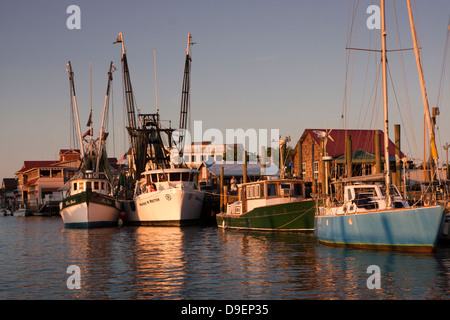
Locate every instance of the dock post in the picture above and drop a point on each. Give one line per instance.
(377, 152)
(244, 167)
(225, 198)
(263, 161)
(221, 189)
(348, 144)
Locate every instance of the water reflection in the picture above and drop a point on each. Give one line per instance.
(203, 263)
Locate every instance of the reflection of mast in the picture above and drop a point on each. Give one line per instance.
(185, 99)
(74, 99)
(430, 125)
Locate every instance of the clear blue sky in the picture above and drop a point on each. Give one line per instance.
(256, 64)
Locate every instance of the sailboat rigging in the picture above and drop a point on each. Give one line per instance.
(375, 217)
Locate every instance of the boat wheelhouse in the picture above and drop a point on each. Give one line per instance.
(275, 204)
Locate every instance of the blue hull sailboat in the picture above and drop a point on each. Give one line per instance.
(372, 216)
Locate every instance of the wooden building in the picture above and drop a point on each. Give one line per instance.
(367, 155)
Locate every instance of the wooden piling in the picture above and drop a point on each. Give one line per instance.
(348, 148)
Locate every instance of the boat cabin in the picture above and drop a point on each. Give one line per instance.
(98, 185)
(365, 197)
(266, 193)
(162, 179)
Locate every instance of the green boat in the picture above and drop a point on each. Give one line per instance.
(281, 205)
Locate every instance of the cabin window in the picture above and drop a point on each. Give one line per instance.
(185, 176)
(271, 189)
(75, 185)
(103, 186)
(162, 177)
(88, 185)
(154, 177)
(257, 191)
(186, 159)
(175, 176)
(81, 186)
(253, 191)
(349, 195)
(96, 185)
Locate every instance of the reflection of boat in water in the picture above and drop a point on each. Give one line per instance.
(89, 202)
(371, 218)
(175, 199)
(276, 204)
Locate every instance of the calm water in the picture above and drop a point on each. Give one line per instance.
(202, 263)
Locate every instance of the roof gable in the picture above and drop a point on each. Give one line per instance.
(361, 140)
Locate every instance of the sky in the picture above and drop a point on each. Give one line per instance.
(256, 64)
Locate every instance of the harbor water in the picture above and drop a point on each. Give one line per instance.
(203, 262)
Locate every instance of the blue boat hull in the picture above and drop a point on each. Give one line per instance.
(413, 229)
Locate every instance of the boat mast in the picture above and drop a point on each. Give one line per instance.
(74, 98)
(185, 98)
(387, 173)
(430, 126)
(102, 128)
(138, 156)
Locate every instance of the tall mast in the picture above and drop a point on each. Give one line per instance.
(385, 105)
(128, 93)
(430, 126)
(102, 128)
(74, 99)
(185, 99)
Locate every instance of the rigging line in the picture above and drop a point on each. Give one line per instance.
(354, 21)
(443, 64)
(405, 84)
(398, 105)
(344, 115)
(365, 82)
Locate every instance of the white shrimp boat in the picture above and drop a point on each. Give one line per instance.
(89, 201)
(174, 199)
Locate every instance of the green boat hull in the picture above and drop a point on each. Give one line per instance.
(295, 216)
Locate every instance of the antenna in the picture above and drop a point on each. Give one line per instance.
(156, 85)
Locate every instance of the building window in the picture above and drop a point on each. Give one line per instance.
(316, 170)
(303, 169)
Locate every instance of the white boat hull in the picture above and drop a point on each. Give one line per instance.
(86, 214)
(169, 207)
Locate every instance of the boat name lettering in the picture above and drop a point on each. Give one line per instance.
(70, 202)
(148, 201)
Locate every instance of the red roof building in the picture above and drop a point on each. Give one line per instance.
(310, 165)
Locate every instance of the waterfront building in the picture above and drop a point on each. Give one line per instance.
(315, 144)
